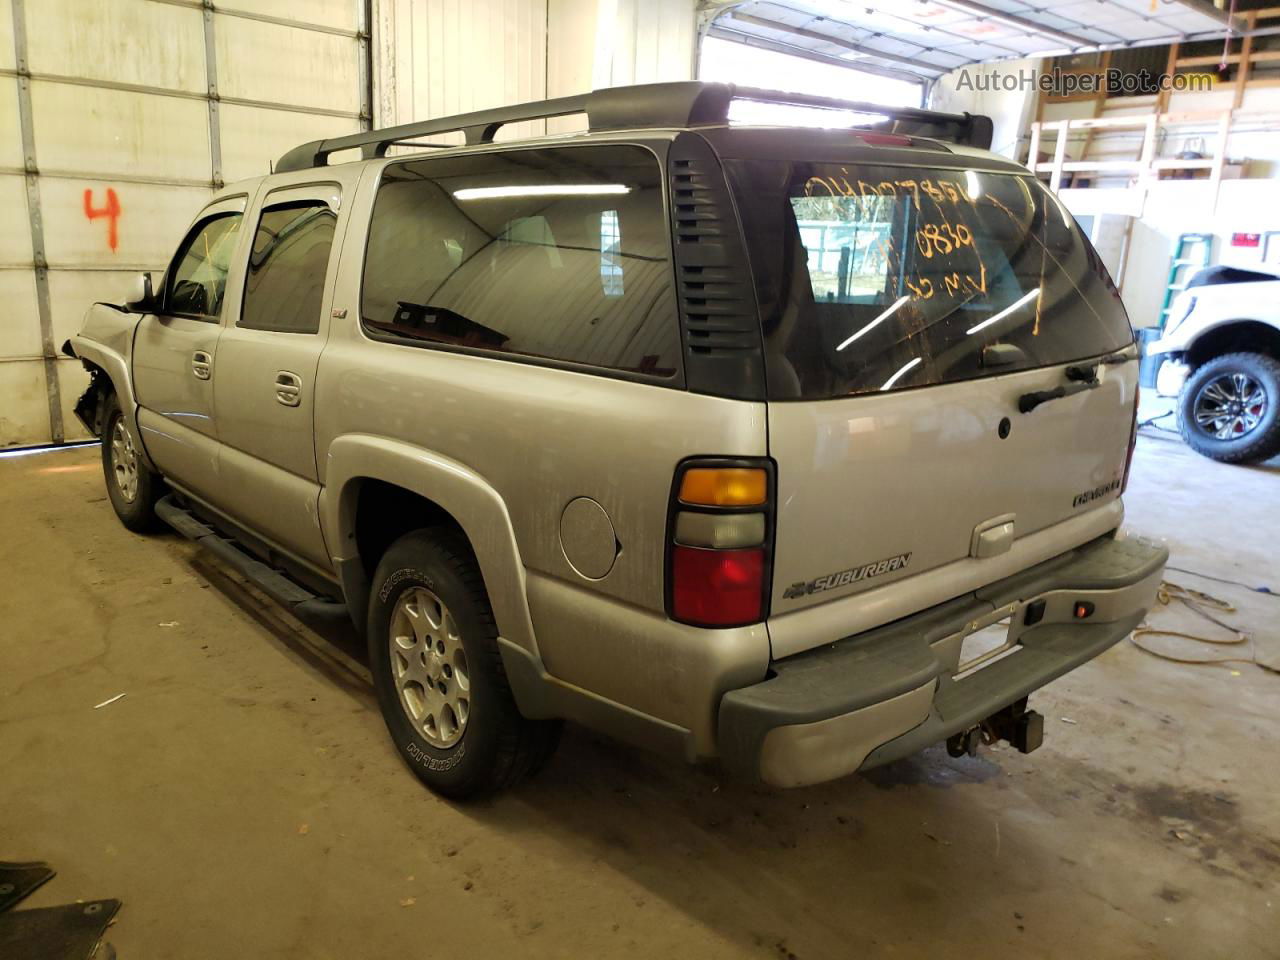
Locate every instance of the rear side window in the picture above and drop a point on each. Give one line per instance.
(876, 278)
(559, 254)
(198, 279)
(284, 283)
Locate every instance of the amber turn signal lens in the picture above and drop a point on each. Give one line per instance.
(724, 486)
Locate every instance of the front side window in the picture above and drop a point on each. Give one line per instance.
(198, 281)
(284, 283)
(876, 278)
(558, 253)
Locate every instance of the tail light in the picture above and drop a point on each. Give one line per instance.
(1133, 441)
(720, 542)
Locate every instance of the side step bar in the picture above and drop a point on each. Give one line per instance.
(302, 603)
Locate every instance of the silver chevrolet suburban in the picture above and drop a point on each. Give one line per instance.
(802, 448)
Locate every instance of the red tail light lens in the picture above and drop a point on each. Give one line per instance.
(1133, 442)
(717, 588)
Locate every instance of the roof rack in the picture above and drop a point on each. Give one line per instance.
(650, 105)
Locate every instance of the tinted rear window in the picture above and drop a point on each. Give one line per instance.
(284, 283)
(559, 253)
(878, 278)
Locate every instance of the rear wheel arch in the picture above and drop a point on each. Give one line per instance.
(377, 489)
(1244, 335)
(382, 512)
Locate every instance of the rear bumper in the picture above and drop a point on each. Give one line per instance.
(874, 697)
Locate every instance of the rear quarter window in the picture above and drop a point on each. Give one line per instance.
(560, 254)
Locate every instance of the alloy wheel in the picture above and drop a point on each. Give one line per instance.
(124, 461)
(1230, 406)
(429, 667)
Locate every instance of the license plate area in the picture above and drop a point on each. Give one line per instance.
(986, 641)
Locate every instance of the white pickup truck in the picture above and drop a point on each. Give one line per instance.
(1221, 359)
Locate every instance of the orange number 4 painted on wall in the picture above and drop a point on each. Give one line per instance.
(110, 210)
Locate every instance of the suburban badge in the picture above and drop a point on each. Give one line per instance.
(843, 578)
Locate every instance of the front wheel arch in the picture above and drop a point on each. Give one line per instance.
(91, 406)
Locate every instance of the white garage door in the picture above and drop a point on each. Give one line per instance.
(118, 118)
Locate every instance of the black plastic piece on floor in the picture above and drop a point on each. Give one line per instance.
(67, 932)
(17, 880)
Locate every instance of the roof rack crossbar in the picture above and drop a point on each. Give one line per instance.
(647, 106)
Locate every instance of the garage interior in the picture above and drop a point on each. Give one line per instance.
(171, 738)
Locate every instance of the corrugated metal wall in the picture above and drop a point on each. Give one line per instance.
(439, 57)
(117, 120)
(110, 138)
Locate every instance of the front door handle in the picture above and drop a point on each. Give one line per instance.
(202, 365)
(288, 388)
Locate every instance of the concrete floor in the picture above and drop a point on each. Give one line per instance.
(243, 800)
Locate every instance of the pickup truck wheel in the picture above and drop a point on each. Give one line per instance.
(131, 486)
(1229, 408)
(439, 677)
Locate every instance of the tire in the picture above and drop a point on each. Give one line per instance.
(467, 739)
(132, 487)
(1229, 408)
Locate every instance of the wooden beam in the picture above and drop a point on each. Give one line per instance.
(1219, 158)
(1074, 166)
(1148, 153)
(1170, 65)
(1099, 99)
(1258, 56)
(1246, 49)
(1088, 123)
(1059, 155)
(1081, 166)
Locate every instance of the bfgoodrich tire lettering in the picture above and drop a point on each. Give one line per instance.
(1229, 408)
(488, 745)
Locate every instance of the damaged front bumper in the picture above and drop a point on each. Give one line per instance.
(875, 697)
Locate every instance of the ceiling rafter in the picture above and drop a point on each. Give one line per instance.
(932, 37)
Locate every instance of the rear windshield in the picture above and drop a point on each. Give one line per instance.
(876, 278)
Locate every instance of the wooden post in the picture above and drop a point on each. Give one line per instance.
(1099, 101)
(1033, 154)
(1148, 155)
(1059, 155)
(1219, 160)
(1170, 66)
(1246, 54)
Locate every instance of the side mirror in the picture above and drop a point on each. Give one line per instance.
(142, 298)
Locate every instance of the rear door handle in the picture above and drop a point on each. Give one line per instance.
(202, 365)
(288, 388)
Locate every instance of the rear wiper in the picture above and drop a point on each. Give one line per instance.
(1086, 372)
(1083, 377)
(1029, 401)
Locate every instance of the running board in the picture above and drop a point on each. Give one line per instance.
(301, 602)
